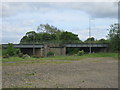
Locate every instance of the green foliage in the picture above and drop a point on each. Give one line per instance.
(20, 54)
(49, 34)
(69, 37)
(36, 56)
(10, 51)
(25, 56)
(50, 54)
(102, 41)
(80, 53)
(92, 39)
(72, 51)
(46, 28)
(114, 37)
(92, 55)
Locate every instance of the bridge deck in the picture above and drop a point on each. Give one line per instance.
(25, 45)
(65, 45)
(86, 45)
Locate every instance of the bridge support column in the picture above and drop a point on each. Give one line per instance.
(64, 51)
(41, 52)
(46, 50)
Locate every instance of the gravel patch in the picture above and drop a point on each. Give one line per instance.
(86, 73)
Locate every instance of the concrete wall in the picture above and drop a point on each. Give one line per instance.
(58, 50)
(42, 52)
(55, 48)
(38, 51)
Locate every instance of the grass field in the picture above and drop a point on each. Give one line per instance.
(93, 55)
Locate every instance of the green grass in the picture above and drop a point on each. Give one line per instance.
(93, 55)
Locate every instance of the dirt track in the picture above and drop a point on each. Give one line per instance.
(86, 73)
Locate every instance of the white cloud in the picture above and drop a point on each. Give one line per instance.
(19, 18)
(60, 1)
(15, 8)
(95, 9)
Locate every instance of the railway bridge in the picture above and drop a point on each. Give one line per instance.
(58, 49)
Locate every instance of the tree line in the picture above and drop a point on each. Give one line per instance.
(50, 34)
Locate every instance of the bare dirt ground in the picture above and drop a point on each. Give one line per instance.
(85, 73)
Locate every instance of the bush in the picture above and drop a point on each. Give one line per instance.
(50, 54)
(4, 52)
(36, 56)
(20, 54)
(5, 56)
(11, 51)
(80, 53)
(72, 51)
(25, 56)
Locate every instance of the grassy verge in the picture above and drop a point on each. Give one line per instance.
(93, 55)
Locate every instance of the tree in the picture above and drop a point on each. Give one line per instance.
(69, 37)
(102, 41)
(114, 37)
(29, 37)
(11, 51)
(92, 39)
(49, 34)
(46, 28)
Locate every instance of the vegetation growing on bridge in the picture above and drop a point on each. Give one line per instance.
(49, 34)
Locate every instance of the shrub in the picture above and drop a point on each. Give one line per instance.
(72, 51)
(11, 51)
(4, 52)
(25, 56)
(36, 56)
(5, 56)
(50, 54)
(20, 54)
(80, 53)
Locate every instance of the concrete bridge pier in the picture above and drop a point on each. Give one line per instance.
(57, 49)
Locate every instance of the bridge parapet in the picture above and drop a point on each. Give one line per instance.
(65, 45)
(24, 45)
(86, 45)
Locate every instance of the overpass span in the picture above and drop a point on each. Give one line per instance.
(64, 45)
(58, 49)
(87, 45)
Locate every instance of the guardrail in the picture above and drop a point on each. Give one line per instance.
(86, 45)
(65, 45)
(24, 45)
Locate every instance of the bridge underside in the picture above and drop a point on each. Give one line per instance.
(42, 50)
(86, 49)
(29, 51)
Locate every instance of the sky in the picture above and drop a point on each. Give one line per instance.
(21, 17)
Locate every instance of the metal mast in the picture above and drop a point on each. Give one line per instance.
(89, 35)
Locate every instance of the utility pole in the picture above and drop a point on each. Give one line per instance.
(33, 44)
(90, 35)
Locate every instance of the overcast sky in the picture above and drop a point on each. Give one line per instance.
(19, 18)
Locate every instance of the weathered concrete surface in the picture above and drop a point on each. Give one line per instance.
(86, 73)
(58, 49)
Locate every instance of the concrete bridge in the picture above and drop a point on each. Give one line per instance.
(58, 49)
